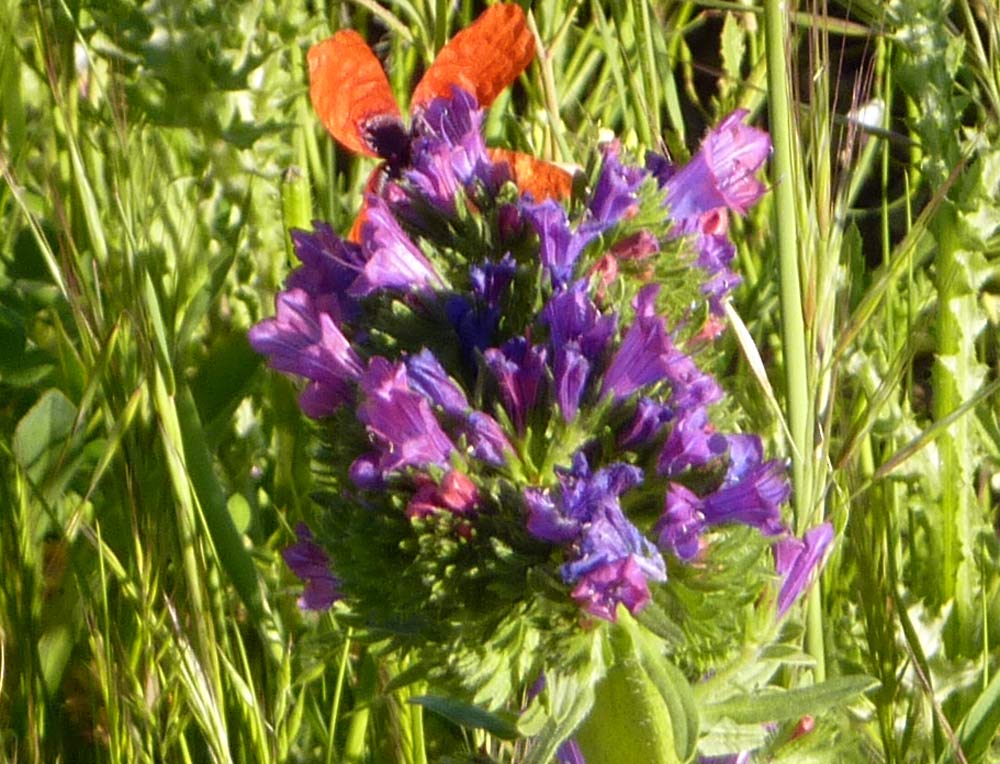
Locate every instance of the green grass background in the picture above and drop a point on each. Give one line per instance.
(153, 157)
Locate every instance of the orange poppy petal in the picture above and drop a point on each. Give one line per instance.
(482, 59)
(543, 180)
(350, 91)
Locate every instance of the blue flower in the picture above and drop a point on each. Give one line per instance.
(606, 556)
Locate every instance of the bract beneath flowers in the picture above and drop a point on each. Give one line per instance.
(511, 414)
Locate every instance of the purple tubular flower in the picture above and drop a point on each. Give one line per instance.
(649, 421)
(365, 473)
(755, 501)
(433, 177)
(579, 335)
(392, 260)
(559, 246)
(692, 442)
(304, 341)
(743, 757)
(573, 317)
(745, 453)
(621, 581)
(491, 279)
(721, 174)
(570, 753)
(679, 528)
(645, 354)
(329, 266)
(476, 321)
(720, 177)
(614, 197)
(401, 420)
(608, 558)
(426, 376)
(797, 560)
(475, 325)
(487, 439)
(692, 387)
(571, 371)
(520, 369)
(455, 124)
(310, 562)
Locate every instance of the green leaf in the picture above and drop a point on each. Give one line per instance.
(733, 47)
(501, 725)
(42, 435)
(979, 727)
(779, 705)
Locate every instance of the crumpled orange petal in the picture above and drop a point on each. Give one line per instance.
(348, 88)
(543, 180)
(482, 59)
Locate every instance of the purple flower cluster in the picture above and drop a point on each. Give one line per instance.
(497, 391)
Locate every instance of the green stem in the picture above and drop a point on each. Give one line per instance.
(797, 374)
(786, 235)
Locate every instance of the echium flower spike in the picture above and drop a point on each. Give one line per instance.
(465, 441)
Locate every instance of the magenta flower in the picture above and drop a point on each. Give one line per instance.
(456, 494)
(519, 368)
(307, 560)
(306, 342)
(400, 419)
(721, 174)
(644, 355)
(602, 589)
(797, 560)
(392, 260)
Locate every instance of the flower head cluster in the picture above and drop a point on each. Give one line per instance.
(496, 373)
